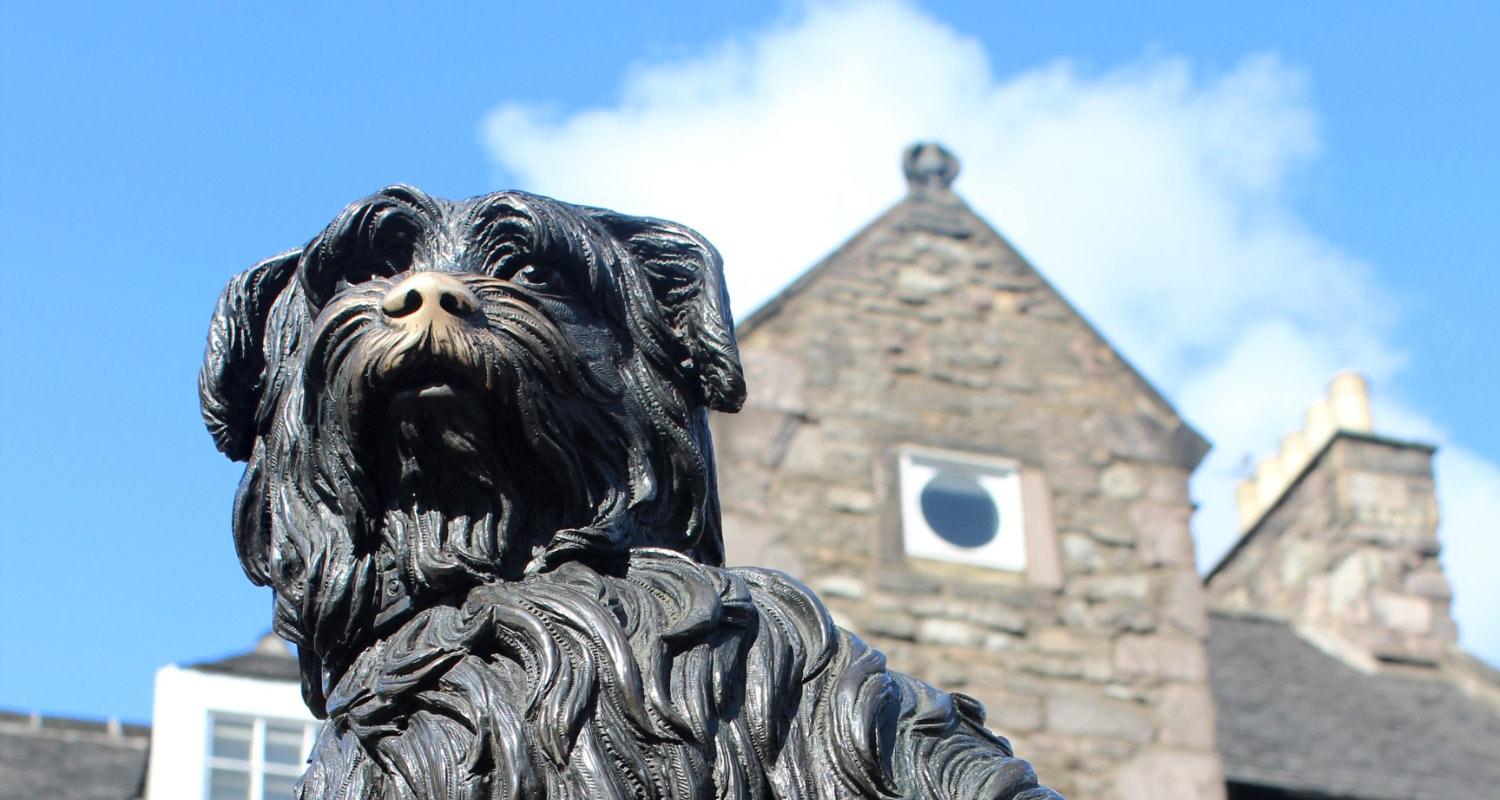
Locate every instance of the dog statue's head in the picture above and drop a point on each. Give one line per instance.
(434, 394)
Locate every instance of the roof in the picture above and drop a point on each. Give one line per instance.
(69, 759)
(1292, 717)
(931, 206)
(271, 660)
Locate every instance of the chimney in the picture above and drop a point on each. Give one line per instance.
(1339, 537)
(1345, 407)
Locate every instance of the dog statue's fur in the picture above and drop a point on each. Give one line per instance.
(492, 530)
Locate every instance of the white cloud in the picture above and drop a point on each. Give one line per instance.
(1154, 195)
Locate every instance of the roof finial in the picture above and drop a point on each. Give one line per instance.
(929, 168)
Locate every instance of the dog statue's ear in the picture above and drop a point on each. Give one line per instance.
(234, 363)
(685, 278)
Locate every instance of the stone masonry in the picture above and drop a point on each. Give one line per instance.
(1350, 556)
(1340, 551)
(929, 329)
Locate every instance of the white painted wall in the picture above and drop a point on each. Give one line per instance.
(180, 723)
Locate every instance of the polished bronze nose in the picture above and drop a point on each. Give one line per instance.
(426, 298)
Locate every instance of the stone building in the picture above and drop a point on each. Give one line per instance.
(979, 484)
(1335, 660)
(924, 366)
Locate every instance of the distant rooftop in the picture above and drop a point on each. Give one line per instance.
(70, 759)
(271, 660)
(1295, 718)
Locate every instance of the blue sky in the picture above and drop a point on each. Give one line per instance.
(1242, 197)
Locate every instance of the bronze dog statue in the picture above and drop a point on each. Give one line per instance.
(480, 482)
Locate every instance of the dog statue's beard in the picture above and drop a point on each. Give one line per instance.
(444, 491)
(425, 463)
(673, 680)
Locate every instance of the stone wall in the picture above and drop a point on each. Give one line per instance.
(1350, 556)
(928, 329)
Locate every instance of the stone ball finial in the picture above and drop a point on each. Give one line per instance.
(929, 167)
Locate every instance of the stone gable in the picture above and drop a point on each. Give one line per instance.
(928, 330)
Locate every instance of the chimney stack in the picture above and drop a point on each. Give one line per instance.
(1340, 538)
(1344, 407)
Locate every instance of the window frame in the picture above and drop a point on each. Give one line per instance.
(1002, 479)
(256, 766)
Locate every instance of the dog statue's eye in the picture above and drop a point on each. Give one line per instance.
(540, 277)
(325, 280)
(362, 274)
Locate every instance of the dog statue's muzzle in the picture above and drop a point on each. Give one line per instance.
(428, 300)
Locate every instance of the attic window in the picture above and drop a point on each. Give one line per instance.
(255, 758)
(962, 508)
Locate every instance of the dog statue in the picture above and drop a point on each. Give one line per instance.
(480, 483)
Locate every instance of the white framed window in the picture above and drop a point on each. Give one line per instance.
(241, 722)
(962, 508)
(256, 758)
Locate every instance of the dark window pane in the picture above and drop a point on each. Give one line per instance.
(284, 743)
(958, 509)
(278, 787)
(231, 739)
(228, 784)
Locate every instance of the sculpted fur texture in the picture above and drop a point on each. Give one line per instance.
(480, 483)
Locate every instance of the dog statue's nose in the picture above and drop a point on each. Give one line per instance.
(428, 297)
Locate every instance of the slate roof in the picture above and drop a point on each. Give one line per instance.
(51, 758)
(1293, 717)
(270, 660)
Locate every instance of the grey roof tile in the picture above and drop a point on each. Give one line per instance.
(271, 660)
(1293, 717)
(253, 665)
(49, 758)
